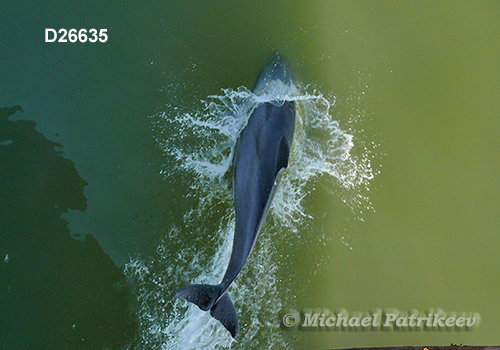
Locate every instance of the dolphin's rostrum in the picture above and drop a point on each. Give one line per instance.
(260, 158)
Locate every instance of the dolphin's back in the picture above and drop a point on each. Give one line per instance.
(262, 150)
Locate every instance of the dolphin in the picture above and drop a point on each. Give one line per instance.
(260, 157)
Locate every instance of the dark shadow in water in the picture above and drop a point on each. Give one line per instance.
(56, 292)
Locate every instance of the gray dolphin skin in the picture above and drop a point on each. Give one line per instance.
(260, 158)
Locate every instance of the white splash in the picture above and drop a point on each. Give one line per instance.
(201, 149)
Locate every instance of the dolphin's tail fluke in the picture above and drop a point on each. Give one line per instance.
(224, 311)
(203, 295)
(207, 297)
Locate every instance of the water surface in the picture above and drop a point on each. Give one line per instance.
(391, 199)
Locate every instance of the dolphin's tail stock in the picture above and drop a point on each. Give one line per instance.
(208, 297)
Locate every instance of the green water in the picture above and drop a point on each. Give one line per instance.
(416, 84)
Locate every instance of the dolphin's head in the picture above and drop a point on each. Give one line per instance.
(275, 71)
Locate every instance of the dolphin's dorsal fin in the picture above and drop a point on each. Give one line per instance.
(283, 155)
